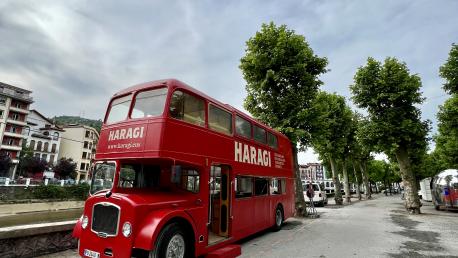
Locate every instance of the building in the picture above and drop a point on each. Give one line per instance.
(79, 143)
(14, 109)
(43, 137)
(312, 172)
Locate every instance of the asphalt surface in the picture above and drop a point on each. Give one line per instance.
(369, 228)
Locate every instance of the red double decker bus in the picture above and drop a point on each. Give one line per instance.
(179, 174)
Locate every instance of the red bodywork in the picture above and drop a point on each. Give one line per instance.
(171, 140)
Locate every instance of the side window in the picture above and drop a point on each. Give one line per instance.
(219, 120)
(272, 140)
(259, 134)
(282, 185)
(187, 108)
(260, 186)
(274, 186)
(242, 127)
(243, 187)
(190, 180)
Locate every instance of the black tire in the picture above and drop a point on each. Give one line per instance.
(278, 222)
(169, 232)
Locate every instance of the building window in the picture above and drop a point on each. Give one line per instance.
(1, 113)
(84, 154)
(37, 155)
(82, 166)
(88, 134)
(86, 145)
(39, 146)
(32, 144)
(46, 133)
(53, 148)
(55, 136)
(2, 101)
(18, 105)
(44, 156)
(51, 159)
(46, 145)
(15, 117)
(187, 108)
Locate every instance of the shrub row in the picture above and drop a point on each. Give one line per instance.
(56, 192)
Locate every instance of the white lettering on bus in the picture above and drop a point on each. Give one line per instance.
(124, 134)
(251, 155)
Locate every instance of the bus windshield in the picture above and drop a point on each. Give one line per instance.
(103, 177)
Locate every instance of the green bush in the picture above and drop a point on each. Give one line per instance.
(49, 192)
(79, 192)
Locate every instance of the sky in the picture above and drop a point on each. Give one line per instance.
(74, 55)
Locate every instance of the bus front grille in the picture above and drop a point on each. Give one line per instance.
(105, 219)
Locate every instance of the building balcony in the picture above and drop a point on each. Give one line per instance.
(20, 110)
(15, 135)
(16, 122)
(11, 147)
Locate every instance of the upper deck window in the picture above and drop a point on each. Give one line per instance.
(187, 108)
(149, 103)
(242, 127)
(119, 109)
(259, 134)
(219, 120)
(272, 140)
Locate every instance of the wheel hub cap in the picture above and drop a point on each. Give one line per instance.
(175, 248)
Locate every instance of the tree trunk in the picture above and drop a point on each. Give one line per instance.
(367, 193)
(412, 201)
(335, 178)
(346, 183)
(358, 184)
(301, 206)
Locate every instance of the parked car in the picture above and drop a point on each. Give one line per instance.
(319, 196)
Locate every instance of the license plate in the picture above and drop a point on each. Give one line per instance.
(91, 254)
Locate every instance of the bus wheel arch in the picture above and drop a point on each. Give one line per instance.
(171, 231)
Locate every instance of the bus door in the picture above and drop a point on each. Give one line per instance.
(219, 209)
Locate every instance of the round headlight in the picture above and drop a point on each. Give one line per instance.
(126, 229)
(84, 222)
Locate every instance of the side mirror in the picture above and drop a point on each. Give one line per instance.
(176, 174)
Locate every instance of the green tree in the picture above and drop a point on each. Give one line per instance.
(65, 168)
(449, 71)
(282, 72)
(30, 166)
(389, 93)
(330, 131)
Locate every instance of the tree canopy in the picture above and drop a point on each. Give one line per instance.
(65, 168)
(449, 71)
(389, 93)
(281, 72)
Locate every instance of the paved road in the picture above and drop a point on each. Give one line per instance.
(372, 228)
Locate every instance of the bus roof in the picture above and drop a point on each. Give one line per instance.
(174, 83)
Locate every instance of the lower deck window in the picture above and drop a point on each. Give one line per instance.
(190, 180)
(260, 186)
(243, 187)
(139, 176)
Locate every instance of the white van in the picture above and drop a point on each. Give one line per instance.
(319, 198)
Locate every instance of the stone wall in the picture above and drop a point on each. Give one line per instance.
(36, 240)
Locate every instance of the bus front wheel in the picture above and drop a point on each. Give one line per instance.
(170, 243)
(278, 219)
